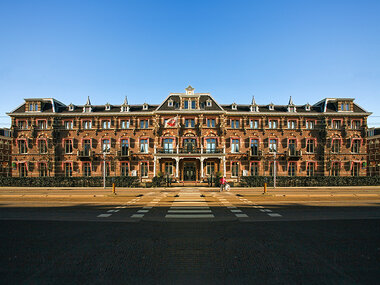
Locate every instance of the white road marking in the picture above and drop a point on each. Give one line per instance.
(137, 216)
(104, 215)
(274, 215)
(200, 216)
(142, 211)
(189, 211)
(241, 215)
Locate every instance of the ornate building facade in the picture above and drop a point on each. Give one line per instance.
(189, 137)
(5, 152)
(373, 145)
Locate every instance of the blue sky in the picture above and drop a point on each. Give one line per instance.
(233, 49)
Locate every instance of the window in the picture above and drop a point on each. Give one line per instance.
(254, 169)
(347, 107)
(189, 123)
(210, 145)
(273, 124)
(145, 106)
(41, 124)
(68, 144)
(124, 169)
(86, 147)
(169, 168)
(124, 124)
(87, 124)
(190, 145)
(355, 169)
(144, 145)
(144, 169)
(273, 145)
(31, 106)
(168, 145)
(342, 107)
(235, 169)
(292, 124)
(234, 106)
(210, 168)
(42, 169)
(208, 103)
(336, 124)
(235, 145)
(254, 124)
(310, 125)
(310, 145)
(211, 123)
(186, 104)
(355, 147)
(22, 125)
(292, 169)
(23, 170)
(86, 169)
(42, 146)
(310, 169)
(22, 147)
(335, 169)
(108, 107)
(254, 146)
(336, 146)
(106, 146)
(68, 167)
(170, 103)
(355, 124)
(235, 124)
(35, 107)
(68, 125)
(144, 124)
(106, 124)
(124, 147)
(193, 104)
(292, 146)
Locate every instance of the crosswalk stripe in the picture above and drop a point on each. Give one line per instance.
(180, 216)
(104, 215)
(189, 211)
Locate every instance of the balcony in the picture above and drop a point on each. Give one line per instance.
(254, 153)
(189, 151)
(123, 153)
(86, 154)
(293, 154)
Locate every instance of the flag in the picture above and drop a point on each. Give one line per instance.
(171, 122)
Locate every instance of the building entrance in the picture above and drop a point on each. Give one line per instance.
(189, 172)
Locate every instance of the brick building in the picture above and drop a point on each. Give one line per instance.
(5, 152)
(373, 145)
(189, 136)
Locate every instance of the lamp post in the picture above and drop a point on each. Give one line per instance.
(105, 151)
(272, 149)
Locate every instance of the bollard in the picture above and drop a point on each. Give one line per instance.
(265, 188)
(113, 188)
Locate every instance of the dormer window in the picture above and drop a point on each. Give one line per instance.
(108, 107)
(344, 107)
(234, 106)
(271, 107)
(170, 103)
(87, 109)
(33, 107)
(291, 109)
(124, 109)
(145, 106)
(71, 107)
(254, 108)
(307, 107)
(208, 103)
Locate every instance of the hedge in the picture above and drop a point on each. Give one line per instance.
(120, 181)
(304, 181)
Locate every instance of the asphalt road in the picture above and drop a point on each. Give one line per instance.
(189, 237)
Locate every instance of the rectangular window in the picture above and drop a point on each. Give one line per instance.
(355, 124)
(68, 169)
(124, 147)
(335, 169)
(272, 145)
(68, 144)
(87, 124)
(355, 148)
(347, 107)
(273, 124)
(22, 147)
(310, 169)
(355, 169)
(124, 169)
(292, 146)
(235, 124)
(254, 169)
(169, 168)
(144, 124)
(189, 123)
(310, 146)
(68, 125)
(310, 125)
(254, 124)
(186, 104)
(41, 124)
(336, 146)
(144, 145)
(124, 124)
(292, 124)
(42, 146)
(144, 169)
(106, 124)
(86, 147)
(292, 169)
(106, 146)
(168, 145)
(235, 169)
(43, 172)
(210, 168)
(86, 169)
(254, 146)
(193, 104)
(211, 123)
(336, 124)
(23, 170)
(210, 145)
(22, 125)
(235, 145)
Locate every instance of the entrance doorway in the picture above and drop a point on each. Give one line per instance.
(189, 172)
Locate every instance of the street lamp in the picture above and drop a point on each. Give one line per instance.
(105, 151)
(274, 166)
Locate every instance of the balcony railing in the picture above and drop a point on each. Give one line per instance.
(255, 153)
(85, 154)
(189, 150)
(124, 152)
(293, 154)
